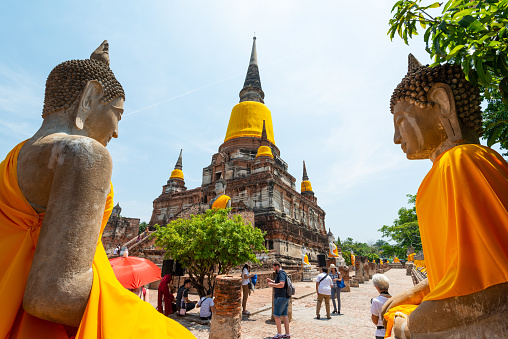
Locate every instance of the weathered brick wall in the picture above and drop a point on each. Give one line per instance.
(226, 320)
(119, 230)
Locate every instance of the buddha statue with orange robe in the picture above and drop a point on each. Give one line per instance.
(462, 207)
(221, 200)
(55, 200)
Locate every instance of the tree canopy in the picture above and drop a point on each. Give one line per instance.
(405, 231)
(359, 248)
(473, 34)
(142, 227)
(206, 240)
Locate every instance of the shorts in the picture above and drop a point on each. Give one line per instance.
(280, 307)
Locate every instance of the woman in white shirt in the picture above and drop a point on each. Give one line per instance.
(207, 306)
(381, 283)
(324, 291)
(246, 275)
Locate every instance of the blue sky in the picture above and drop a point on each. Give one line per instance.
(327, 69)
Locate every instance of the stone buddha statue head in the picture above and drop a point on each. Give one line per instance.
(435, 109)
(220, 187)
(85, 95)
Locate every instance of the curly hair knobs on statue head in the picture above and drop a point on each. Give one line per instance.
(67, 80)
(419, 80)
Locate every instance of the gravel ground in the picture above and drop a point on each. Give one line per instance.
(354, 323)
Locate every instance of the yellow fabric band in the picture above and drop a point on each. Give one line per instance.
(176, 174)
(264, 151)
(246, 120)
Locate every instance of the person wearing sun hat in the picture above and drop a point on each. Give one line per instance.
(336, 278)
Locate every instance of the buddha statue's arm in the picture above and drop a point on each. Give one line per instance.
(61, 275)
(411, 296)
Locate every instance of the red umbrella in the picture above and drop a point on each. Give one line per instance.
(134, 272)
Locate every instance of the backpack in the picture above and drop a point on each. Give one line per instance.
(290, 289)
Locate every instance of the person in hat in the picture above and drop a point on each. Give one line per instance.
(336, 278)
(246, 275)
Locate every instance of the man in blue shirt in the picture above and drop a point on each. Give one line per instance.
(281, 300)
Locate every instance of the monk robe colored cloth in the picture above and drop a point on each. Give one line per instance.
(462, 207)
(112, 311)
(392, 312)
(221, 202)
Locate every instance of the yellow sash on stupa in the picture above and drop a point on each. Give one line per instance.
(112, 311)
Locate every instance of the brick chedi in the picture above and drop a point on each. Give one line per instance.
(257, 181)
(118, 230)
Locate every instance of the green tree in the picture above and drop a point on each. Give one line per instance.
(206, 240)
(405, 231)
(142, 227)
(495, 118)
(473, 34)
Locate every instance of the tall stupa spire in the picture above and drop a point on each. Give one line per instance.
(252, 90)
(177, 173)
(305, 176)
(179, 161)
(306, 187)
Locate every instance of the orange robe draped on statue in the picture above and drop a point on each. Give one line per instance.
(221, 202)
(462, 208)
(111, 312)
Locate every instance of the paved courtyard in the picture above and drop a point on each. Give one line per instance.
(355, 323)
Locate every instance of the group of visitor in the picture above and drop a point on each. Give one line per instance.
(167, 303)
(328, 287)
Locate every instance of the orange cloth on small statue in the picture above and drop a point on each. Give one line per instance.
(111, 312)
(221, 202)
(390, 316)
(462, 207)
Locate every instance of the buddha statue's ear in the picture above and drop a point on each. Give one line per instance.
(441, 94)
(92, 92)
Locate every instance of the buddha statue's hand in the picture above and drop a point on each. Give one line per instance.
(411, 296)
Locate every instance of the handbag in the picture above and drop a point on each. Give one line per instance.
(341, 284)
(250, 285)
(183, 307)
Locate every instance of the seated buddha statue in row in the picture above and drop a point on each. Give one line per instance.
(462, 208)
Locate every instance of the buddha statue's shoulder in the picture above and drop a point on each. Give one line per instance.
(467, 154)
(59, 148)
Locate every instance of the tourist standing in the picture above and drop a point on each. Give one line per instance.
(324, 291)
(207, 306)
(164, 294)
(336, 278)
(281, 300)
(381, 283)
(182, 297)
(246, 275)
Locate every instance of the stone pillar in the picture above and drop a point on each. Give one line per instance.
(409, 267)
(372, 269)
(365, 263)
(226, 320)
(290, 305)
(359, 269)
(344, 272)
